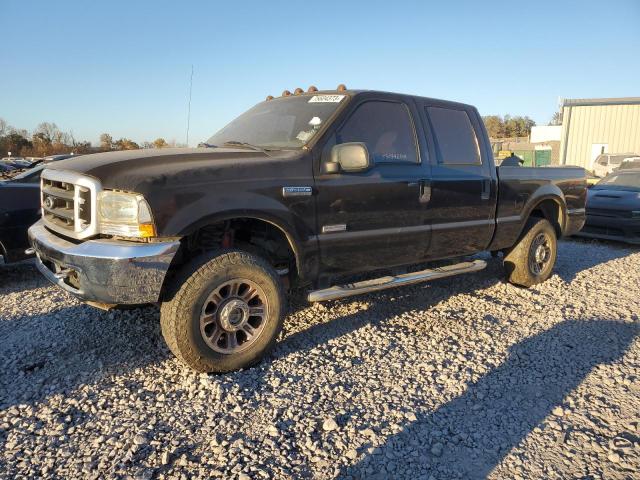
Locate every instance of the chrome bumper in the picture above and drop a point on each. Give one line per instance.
(103, 271)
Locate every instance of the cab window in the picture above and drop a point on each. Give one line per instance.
(385, 128)
(455, 137)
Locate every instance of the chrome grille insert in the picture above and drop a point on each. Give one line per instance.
(68, 202)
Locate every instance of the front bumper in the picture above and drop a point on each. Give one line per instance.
(612, 228)
(103, 271)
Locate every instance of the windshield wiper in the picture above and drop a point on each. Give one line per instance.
(206, 145)
(257, 148)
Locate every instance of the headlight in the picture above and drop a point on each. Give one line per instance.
(124, 214)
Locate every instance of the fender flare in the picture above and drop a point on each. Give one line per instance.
(546, 192)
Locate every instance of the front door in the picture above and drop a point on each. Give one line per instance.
(377, 218)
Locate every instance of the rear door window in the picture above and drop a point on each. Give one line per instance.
(456, 141)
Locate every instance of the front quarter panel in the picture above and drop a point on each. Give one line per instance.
(181, 209)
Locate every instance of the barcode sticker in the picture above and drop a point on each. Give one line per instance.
(326, 98)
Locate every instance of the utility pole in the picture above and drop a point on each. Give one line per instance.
(189, 107)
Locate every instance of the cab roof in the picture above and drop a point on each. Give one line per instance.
(382, 93)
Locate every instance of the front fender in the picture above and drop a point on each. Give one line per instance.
(217, 208)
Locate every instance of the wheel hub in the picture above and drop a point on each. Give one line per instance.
(541, 253)
(233, 315)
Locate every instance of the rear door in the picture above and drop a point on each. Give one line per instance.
(374, 219)
(463, 180)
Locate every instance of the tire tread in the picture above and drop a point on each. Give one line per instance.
(183, 292)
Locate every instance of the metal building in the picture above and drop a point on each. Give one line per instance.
(591, 126)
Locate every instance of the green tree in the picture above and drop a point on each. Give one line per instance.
(494, 126)
(15, 143)
(508, 126)
(160, 143)
(125, 144)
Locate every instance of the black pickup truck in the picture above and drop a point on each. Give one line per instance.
(304, 191)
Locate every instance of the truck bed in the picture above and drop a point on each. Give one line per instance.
(520, 189)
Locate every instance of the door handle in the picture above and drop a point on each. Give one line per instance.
(486, 189)
(425, 191)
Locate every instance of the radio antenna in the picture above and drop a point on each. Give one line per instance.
(189, 107)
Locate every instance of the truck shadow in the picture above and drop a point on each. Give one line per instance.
(576, 255)
(62, 349)
(477, 429)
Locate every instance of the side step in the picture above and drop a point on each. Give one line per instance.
(382, 283)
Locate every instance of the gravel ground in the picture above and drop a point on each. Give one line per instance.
(467, 377)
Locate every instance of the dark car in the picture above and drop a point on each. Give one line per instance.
(16, 162)
(6, 168)
(613, 207)
(19, 209)
(305, 191)
(633, 162)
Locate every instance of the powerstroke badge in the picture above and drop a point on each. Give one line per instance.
(296, 191)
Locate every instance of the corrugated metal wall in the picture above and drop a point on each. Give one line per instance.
(616, 125)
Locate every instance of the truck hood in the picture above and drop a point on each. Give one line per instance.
(142, 170)
(613, 199)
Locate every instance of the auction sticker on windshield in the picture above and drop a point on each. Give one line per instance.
(326, 98)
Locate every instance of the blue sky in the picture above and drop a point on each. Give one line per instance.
(123, 67)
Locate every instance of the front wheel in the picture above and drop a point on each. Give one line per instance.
(224, 312)
(532, 258)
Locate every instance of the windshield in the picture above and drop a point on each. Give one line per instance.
(281, 123)
(622, 180)
(617, 159)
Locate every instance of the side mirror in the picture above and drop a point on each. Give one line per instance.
(350, 157)
(332, 167)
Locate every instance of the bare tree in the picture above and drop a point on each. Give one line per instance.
(106, 141)
(47, 132)
(556, 119)
(4, 127)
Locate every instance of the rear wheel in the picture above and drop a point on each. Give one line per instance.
(224, 312)
(531, 260)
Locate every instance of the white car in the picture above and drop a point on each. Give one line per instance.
(606, 163)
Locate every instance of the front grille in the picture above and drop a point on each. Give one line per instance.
(68, 203)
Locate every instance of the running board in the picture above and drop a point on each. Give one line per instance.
(382, 283)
